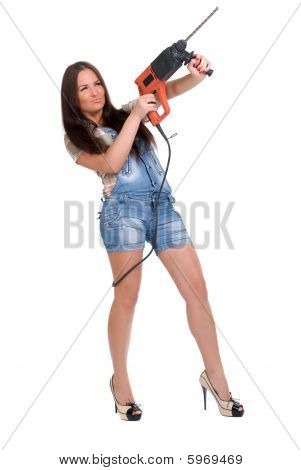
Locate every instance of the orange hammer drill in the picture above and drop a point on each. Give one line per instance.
(152, 80)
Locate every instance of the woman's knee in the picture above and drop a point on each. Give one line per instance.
(126, 297)
(196, 292)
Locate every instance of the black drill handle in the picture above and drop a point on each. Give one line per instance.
(171, 59)
(209, 72)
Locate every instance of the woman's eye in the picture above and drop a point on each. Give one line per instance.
(97, 83)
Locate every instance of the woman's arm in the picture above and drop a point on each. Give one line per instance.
(198, 66)
(129, 106)
(114, 157)
(180, 85)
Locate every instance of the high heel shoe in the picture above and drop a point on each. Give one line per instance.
(226, 408)
(126, 411)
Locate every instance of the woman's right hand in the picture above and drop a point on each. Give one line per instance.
(144, 104)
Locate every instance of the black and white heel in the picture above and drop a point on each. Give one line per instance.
(126, 411)
(226, 408)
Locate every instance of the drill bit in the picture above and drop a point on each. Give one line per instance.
(203, 22)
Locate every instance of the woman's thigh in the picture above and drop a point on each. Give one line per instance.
(185, 269)
(121, 261)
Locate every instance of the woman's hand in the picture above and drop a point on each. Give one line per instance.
(144, 104)
(199, 66)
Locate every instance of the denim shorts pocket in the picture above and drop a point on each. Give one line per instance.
(110, 215)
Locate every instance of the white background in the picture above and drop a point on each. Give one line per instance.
(49, 292)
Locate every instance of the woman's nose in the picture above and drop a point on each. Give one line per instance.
(93, 92)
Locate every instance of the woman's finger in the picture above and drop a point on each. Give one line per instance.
(148, 96)
(197, 58)
(202, 64)
(203, 67)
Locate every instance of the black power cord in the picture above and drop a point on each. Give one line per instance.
(155, 207)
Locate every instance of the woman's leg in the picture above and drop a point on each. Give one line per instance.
(121, 318)
(184, 266)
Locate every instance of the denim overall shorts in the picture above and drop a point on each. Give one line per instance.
(128, 215)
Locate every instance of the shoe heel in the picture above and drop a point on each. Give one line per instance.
(205, 396)
(230, 407)
(125, 411)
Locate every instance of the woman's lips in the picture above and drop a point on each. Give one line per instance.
(97, 101)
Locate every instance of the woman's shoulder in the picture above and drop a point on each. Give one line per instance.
(71, 148)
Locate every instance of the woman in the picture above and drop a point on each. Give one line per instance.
(119, 147)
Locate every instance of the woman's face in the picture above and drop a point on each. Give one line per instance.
(91, 94)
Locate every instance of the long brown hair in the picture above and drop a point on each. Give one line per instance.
(79, 128)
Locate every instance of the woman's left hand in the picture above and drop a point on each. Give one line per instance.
(199, 65)
(158, 104)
